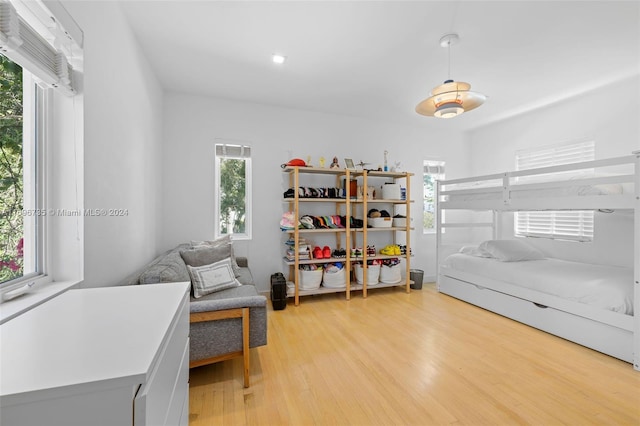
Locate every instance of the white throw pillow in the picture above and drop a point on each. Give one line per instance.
(211, 278)
(510, 250)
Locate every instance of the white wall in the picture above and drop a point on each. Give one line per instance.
(123, 124)
(609, 116)
(276, 135)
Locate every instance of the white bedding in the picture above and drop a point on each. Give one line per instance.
(606, 287)
(494, 193)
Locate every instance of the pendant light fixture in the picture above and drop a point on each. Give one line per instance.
(451, 98)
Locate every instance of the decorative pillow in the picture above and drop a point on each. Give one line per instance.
(206, 255)
(510, 250)
(219, 242)
(208, 279)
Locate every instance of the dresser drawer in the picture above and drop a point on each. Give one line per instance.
(156, 397)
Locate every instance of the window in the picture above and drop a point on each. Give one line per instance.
(233, 190)
(574, 225)
(12, 169)
(432, 171)
(35, 51)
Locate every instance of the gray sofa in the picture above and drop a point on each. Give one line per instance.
(223, 324)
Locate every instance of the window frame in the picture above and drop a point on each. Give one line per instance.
(36, 111)
(235, 146)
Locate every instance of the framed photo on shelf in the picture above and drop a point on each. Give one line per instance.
(349, 164)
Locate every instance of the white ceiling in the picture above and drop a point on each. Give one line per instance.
(378, 59)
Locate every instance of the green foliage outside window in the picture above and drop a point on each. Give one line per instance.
(11, 174)
(232, 196)
(429, 210)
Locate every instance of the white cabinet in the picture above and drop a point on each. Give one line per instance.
(100, 356)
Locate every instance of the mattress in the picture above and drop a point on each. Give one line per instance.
(605, 287)
(495, 193)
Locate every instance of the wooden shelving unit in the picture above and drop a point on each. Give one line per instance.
(347, 237)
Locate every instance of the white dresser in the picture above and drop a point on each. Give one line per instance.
(101, 356)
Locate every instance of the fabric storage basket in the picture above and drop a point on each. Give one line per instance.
(373, 272)
(390, 274)
(309, 280)
(380, 222)
(335, 279)
(399, 222)
(391, 191)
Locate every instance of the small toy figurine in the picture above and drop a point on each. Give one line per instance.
(321, 162)
(334, 163)
(309, 161)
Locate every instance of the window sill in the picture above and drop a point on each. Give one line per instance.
(40, 293)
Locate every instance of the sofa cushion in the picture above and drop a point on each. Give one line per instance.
(169, 268)
(212, 278)
(244, 276)
(224, 241)
(206, 255)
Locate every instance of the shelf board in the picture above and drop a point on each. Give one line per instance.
(315, 200)
(329, 171)
(329, 230)
(354, 287)
(316, 231)
(341, 259)
(380, 200)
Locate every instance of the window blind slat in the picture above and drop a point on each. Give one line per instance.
(570, 225)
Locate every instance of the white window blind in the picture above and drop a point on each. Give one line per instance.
(233, 151)
(31, 36)
(576, 225)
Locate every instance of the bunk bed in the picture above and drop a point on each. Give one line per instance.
(505, 277)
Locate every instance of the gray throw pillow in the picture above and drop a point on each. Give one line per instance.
(207, 279)
(219, 242)
(206, 255)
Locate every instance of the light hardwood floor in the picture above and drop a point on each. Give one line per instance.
(412, 359)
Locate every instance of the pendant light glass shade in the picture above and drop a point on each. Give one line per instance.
(451, 98)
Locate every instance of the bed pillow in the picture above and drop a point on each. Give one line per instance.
(208, 279)
(474, 251)
(510, 250)
(206, 255)
(224, 241)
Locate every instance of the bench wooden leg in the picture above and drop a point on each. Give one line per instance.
(245, 344)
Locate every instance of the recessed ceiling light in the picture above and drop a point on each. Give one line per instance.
(278, 59)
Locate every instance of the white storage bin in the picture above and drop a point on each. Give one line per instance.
(391, 191)
(310, 280)
(335, 279)
(390, 274)
(380, 222)
(399, 222)
(373, 273)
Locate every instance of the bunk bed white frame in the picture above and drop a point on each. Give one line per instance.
(609, 332)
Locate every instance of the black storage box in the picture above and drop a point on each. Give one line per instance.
(278, 291)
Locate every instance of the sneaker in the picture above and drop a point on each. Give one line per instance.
(326, 252)
(387, 251)
(317, 253)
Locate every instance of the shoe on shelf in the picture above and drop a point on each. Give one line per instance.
(317, 253)
(387, 251)
(326, 252)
